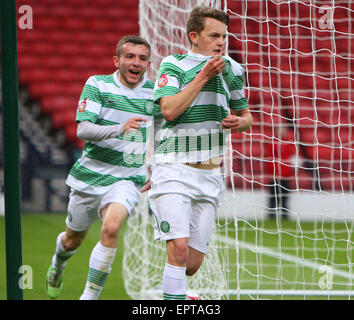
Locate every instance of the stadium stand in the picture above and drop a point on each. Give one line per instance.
(70, 41)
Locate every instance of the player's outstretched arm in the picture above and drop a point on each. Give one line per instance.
(174, 106)
(89, 131)
(239, 122)
(133, 124)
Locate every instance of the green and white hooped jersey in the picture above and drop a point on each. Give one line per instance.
(197, 135)
(105, 101)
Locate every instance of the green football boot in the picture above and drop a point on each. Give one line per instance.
(54, 282)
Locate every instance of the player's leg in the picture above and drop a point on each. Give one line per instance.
(182, 260)
(66, 245)
(116, 206)
(204, 206)
(186, 255)
(172, 212)
(195, 260)
(201, 228)
(78, 221)
(72, 240)
(174, 275)
(104, 252)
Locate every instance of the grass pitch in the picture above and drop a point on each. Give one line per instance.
(39, 233)
(289, 256)
(270, 256)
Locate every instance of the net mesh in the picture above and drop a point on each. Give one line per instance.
(286, 224)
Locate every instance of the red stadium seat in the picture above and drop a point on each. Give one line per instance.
(74, 25)
(38, 90)
(70, 42)
(63, 104)
(79, 143)
(58, 119)
(101, 25)
(46, 89)
(48, 23)
(57, 62)
(71, 133)
(70, 119)
(57, 36)
(49, 2)
(29, 60)
(43, 49)
(335, 182)
(35, 74)
(66, 74)
(103, 50)
(70, 49)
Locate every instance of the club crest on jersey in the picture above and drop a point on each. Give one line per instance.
(227, 68)
(149, 108)
(82, 105)
(163, 80)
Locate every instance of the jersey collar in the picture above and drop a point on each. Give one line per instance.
(121, 85)
(198, 56)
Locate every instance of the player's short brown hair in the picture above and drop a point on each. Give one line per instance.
(197, 17)
(131, 39)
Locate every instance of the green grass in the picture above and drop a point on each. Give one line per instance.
(286, 255)
(304, 249)
(39, 232)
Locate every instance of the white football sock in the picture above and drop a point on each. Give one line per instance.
(61, 256)
(99, 269)
(174, 282)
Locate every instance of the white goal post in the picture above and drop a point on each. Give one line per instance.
(286, 227)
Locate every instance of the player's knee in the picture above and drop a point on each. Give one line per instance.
(195, 260)
(191, 270)
(179, 252)
(193, 265)
(72, 243)
(110, 230)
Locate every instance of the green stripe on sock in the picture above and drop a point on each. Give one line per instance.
(97, 277)
(168, 296)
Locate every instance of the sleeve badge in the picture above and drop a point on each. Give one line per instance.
(82, 105)
(163, 80)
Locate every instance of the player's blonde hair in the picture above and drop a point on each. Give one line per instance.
(131, 39)
(197, 17)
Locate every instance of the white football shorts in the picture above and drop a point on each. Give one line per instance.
(184, 201)
(84, 209)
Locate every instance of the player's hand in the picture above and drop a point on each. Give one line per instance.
(133, 124)
(231, 122)
(146, 187)
(213, 67)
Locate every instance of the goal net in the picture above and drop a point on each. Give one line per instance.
(285, 229)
